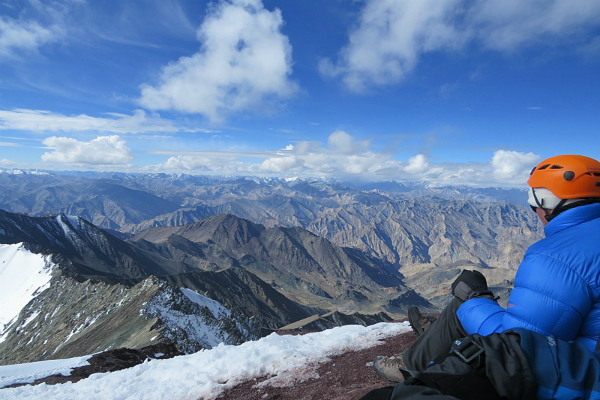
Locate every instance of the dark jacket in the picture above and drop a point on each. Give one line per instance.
(557, 286)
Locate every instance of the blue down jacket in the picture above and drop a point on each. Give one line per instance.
(561, 370)
(557, 286)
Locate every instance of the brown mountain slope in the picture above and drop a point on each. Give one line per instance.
(304, 267)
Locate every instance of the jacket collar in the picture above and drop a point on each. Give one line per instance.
(574, 216)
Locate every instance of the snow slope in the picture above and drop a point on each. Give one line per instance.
(22, 276)
(206, 374)
(30, 372)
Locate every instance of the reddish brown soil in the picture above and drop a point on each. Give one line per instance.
(347, 376)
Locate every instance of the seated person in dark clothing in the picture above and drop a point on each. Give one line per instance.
(517, 364)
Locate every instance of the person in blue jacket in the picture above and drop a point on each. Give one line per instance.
(516, 364)
(557, 286)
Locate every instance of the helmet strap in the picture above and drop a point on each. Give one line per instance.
(557, 210)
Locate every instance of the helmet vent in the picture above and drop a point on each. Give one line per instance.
(593, 173)
(543, 167)
(556, 167)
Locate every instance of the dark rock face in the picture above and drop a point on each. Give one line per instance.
(90, 250)
(111, 361)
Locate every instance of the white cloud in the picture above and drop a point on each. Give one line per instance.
(390, 38)
(507, 24)
(46, 121)
(6, 162)
(341, 142)
(417, 164)
(244, 61)
(393, 35)
(17, 37)
(343, 157)
(512, 166)
(104, 150)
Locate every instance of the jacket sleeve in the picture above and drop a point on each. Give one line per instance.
(548, 298)
(482, 316)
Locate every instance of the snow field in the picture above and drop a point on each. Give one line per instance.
(208, 373)
(25, 373)
(22, 275)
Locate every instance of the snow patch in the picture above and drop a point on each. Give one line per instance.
(27, 373)
(203, 330)
(216, 308)
(30, 318)
(23, 275)
(208, 373)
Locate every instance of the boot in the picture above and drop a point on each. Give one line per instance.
(389, 368)
(419, 322)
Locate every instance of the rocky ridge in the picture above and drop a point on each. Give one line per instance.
(301, 265)
(106, 293)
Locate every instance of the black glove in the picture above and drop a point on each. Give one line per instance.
(470, 284)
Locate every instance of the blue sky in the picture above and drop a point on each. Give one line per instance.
(446, 91)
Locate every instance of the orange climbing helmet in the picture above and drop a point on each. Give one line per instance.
(568, 176)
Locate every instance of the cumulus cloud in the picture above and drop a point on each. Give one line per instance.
(46, 121)
(393, 35)
(389, 39)
(417, 164)
(104, 150)
(18, 37)
(5, 162)
(343, 143)
(243, 62)
(342, 157)
(512, 166)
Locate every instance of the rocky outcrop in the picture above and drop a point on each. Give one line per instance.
(110, 361)
(73, 318)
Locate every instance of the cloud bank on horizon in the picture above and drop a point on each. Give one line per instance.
(444, 91)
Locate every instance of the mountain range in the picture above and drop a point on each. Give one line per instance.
(195, 288)
(135, 260)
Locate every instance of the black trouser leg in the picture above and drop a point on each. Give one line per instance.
(436, 340)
